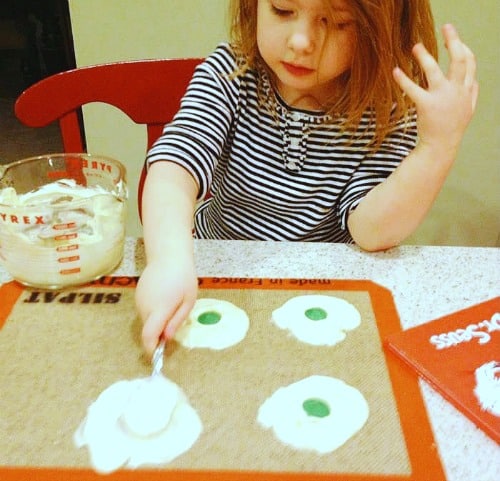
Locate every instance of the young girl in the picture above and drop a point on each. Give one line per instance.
(303, 128)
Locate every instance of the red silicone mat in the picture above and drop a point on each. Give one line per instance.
(91, 348)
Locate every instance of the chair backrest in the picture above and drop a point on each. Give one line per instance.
(148, 91)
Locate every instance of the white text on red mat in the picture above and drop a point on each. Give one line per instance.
(481, 331)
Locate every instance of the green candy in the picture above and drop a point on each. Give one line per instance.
(316, 408)
(316, 314)
(209, 318)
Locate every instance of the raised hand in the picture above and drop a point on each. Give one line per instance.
(446, 107)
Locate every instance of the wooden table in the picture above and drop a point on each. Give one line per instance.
(426, 283)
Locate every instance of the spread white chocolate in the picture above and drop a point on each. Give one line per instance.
(318, 413)
(487, 388)
(146, 421)
(150, 406)
(61, 233)
(317, 319)
(213, 324)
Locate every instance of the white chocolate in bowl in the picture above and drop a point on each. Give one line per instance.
(87, 242)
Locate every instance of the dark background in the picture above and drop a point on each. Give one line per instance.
(35, 41)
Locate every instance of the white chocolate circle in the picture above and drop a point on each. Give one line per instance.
(283, 412)
(341, 317)
(112, 445)
(230, 330)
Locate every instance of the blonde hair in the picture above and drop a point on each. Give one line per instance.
(386, 31)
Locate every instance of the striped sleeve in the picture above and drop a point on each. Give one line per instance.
(378, 165)
(196, 136)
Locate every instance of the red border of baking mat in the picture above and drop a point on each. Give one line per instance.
(451, 370)
(424, 458)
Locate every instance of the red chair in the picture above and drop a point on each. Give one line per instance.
(148, 91)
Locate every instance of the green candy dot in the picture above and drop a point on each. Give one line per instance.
(209, 318)
(316, 408)
(316, 314)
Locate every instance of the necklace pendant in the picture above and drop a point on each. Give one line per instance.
(292, 165)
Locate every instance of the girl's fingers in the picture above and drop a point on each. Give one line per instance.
(463, 67)
(155, 326)
(428, 64)
(177, 319)
(475, 94)
(459, 55)
(152, 330)
(407, 85)
(470, 75)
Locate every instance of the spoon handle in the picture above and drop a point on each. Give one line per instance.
(157, 359)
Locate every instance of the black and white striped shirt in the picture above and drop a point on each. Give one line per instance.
(294, 175)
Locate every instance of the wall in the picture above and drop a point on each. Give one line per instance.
(467, 210)
(112, 30)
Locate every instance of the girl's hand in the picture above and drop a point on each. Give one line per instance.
(165, 295)
(445, 109)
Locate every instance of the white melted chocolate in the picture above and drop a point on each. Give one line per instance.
(61, 233)
(225, 325)
(342, 412)
(334, 317)
(146, 421)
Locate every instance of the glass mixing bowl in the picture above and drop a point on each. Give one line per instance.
(62, 218)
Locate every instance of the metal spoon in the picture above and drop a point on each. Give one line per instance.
(157, 359)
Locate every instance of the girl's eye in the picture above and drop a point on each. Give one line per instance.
(280, 12)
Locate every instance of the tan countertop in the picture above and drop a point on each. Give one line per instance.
(426, 283)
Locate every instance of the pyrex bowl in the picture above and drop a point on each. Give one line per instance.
(62, 218)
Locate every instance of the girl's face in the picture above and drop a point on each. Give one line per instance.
(305, 48)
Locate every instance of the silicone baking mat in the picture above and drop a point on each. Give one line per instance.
(60, 349)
